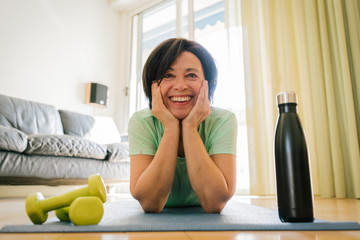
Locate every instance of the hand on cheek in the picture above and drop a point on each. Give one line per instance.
(159, 110)
(201, 110)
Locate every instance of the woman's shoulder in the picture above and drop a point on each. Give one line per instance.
(221, 113)
(143, 113)
(220, 118)
(144, 119)
(141, 117)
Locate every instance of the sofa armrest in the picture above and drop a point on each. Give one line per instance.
(12, 139)
(118, 152)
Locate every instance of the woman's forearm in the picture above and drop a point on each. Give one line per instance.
(209, 183)
(154, 183)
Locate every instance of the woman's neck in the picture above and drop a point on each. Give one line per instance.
(181, 152)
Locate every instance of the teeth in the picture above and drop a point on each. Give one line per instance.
(180, 99)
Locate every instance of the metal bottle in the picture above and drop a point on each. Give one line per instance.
(293, 181)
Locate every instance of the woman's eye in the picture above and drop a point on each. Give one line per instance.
(191, 76)
(168, 75)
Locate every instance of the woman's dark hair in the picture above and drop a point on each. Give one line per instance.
(163, 56)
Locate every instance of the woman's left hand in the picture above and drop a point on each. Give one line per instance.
(201, 110)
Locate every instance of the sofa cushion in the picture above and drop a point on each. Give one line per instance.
(76, 124)
(99, 129)
(12, 139)
(29, 117)
(64, 145)
(118, 152)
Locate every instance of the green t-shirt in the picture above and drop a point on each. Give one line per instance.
(218, 133)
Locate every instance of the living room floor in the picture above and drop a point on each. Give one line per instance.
(13, 212)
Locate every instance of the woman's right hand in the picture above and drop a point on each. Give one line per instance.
(159, 110)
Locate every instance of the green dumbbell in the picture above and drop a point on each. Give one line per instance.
(82, 211)
(86, 211)
(37, 206)
(63, 214)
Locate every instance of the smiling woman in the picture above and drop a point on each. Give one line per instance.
(182, 150)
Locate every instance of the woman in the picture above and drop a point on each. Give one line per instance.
(182, 151)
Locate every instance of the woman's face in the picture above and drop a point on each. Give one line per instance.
(181, 84)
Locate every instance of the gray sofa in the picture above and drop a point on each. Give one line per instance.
(40, 145)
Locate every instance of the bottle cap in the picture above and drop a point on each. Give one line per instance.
(286, 97)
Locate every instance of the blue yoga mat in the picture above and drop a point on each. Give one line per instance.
(127, 216)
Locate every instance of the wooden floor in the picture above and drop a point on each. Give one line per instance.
(13, 212)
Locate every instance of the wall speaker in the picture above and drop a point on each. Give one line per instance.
(96, 94)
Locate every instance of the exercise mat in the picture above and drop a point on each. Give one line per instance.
(127, 216)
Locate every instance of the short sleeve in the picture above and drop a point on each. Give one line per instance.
(221, 133)
(142, 137)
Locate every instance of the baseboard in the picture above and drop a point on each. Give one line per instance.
(22, 191)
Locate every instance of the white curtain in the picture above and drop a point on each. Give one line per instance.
(313, 48)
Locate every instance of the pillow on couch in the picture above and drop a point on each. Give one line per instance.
(12, 139)
(64, 145)
(118, 152)
(99, 129)
(76, 124)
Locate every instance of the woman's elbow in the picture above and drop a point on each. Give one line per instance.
(148, 205)
(216, 206)
(151, 208)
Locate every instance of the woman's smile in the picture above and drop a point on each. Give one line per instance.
(180, 99)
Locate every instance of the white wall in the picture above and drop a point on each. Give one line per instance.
(49, 50)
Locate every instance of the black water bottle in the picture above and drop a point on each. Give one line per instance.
(293, 181)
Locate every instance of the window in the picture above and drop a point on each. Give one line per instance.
(203, 21)
(150, 28)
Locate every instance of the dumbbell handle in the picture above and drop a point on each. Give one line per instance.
(64, 200)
